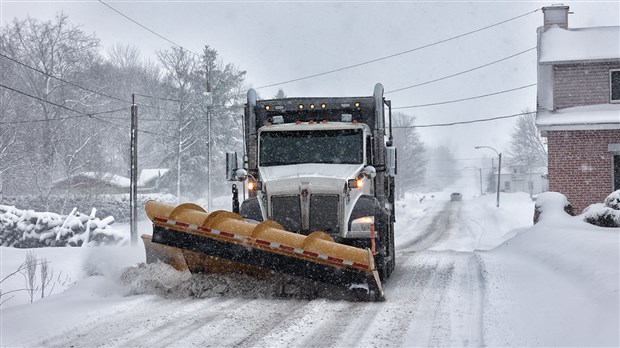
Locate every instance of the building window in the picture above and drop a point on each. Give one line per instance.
(614, 85)
(616, 160)
(507, 186)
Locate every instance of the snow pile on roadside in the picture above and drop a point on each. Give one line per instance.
(563, 276)
(30, 229)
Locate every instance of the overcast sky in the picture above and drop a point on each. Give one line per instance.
(279, 41)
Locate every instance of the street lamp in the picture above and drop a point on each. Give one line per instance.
(499, 170)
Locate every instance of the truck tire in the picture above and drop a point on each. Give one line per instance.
(384, 259)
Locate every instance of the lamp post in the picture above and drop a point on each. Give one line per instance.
(499, 167)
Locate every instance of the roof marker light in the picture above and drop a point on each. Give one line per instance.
(300, 106)
(267, 107)
(312, 106)
(357, 104)
(323, 105)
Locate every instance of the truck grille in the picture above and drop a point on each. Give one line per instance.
(324, 213)
(287, 212)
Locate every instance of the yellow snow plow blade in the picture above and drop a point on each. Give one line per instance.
(187, 237)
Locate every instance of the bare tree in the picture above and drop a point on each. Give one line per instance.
(52, 49)
(30, 274)
(527, 147)
(411, 154)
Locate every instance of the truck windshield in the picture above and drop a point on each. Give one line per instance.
(343, 146)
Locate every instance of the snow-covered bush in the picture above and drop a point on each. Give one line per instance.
(550, 204)
(605, 214)
(30, 229)
(600, 215)
(613, 200)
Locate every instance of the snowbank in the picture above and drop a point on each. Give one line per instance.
(555, 284)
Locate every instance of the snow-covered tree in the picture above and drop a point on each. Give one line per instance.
(527, 147)
(209, 95)
(53, 48)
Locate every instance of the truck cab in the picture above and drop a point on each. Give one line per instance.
(323, 164)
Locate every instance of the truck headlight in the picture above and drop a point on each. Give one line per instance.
(362, 227)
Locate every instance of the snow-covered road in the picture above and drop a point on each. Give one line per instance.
(445, 291)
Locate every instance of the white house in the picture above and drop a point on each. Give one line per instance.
(523, 179)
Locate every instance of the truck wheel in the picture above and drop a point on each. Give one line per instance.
(383, 258)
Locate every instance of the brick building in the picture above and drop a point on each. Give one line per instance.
(578, 107)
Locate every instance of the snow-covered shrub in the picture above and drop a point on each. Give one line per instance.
(601, 215)
(613, 200)
(605, 214)
(30, 229)
(550, 204)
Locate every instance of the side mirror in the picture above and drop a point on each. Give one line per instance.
(391, 161)
(370, 172)
(241, 174)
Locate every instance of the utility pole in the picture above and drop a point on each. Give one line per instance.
(133, 184)
(499, 175)
(480, 181)
(209, 102)
(499, 167)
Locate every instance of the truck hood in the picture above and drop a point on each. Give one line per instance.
(328, 177)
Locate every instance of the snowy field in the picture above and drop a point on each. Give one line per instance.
(552, 284)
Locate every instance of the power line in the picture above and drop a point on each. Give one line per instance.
(82, 114)
(160, 98)
(139, 130)
(147, 29)
(396, 54)
(63, 80)
(460, 73)
(464, 99)
(88, 89)
(464, 122)
(456, 159)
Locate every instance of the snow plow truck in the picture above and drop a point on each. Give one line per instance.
(319, 174)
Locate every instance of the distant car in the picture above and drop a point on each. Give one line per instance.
(455, 196)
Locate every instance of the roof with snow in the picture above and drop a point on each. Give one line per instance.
(112, 179)
(148, 175)
(559, 45)
(600, 116)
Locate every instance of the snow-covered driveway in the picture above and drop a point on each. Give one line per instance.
(445, 291)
